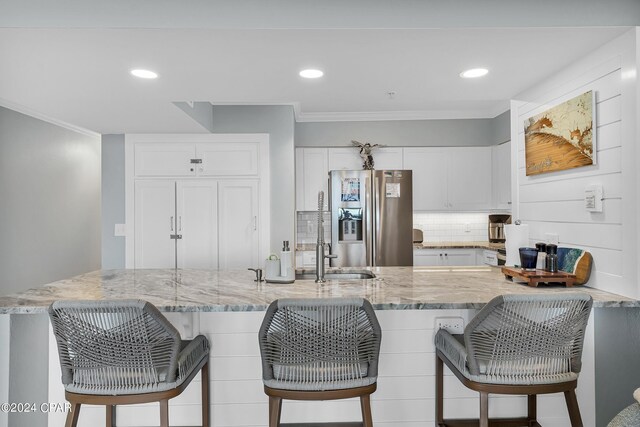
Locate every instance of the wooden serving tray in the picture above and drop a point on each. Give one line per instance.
(535, 277)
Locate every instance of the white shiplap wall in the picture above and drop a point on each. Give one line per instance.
(554, 202)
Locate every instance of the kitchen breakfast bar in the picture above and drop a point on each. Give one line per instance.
(228, 307)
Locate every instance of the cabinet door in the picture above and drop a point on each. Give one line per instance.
(197, 209)
(155, 222)
(463, 257)
(227, 158)
(238, 224)
(429, 166)
(427, 257)
(312, 176)
(469, 178)
(387, 158)
(164, 159)
(344, 158)
(501, 162)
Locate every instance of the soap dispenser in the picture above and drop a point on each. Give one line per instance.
(287, 274)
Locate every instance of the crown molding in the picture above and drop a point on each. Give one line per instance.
(393, 115)
(37, 115)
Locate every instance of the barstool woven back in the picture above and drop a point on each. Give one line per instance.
(123, 352)
(319, 346)
(518, 344)
(525, 339)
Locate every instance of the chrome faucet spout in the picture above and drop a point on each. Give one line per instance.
(320, 255)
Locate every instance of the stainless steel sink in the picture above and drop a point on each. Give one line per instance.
(337, 275)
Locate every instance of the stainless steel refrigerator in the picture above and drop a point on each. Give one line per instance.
(371, 218)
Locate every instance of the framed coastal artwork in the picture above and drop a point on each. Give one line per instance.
(561, 137)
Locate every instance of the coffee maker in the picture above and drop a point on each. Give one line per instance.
(496, 227)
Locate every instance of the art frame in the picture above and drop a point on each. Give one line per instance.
(561, 137)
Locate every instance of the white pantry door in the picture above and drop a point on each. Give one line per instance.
(155, 222)
(238, 224)
(197, 210)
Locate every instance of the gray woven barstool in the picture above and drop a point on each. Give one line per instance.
(517, 344)
(628, 417)
(124, 352)
(319, 349)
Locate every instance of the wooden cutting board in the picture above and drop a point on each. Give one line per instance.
(535, 277)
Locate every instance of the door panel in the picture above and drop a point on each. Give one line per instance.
(238, 224)
(155, 221)
(198, 224)
(155, 159)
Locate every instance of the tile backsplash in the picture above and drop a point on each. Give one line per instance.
(436, 227)
(308, 225)
(452, 227)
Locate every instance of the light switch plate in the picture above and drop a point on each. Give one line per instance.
(120, 230)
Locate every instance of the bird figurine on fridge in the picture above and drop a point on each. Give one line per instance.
(365, 153)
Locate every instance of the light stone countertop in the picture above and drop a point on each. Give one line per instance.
(482, 244)
(210, 290)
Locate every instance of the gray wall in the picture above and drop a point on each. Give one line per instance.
(500, 128)
(113, 201)
(278, 122)
(404, 133)
(50, 202)
(617, 350)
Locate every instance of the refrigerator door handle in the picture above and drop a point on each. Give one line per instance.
(374, 220)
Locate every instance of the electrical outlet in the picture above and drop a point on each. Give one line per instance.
(453, 325)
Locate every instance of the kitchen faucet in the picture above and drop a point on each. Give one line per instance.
(320, 255)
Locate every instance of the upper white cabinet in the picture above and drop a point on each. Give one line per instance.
(346, 158)
(200, 159)
(501, 162)
(469, 177)
(445, 179)
(312, 176)
(429, 166)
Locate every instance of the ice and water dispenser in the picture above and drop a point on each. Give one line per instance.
(350, 224)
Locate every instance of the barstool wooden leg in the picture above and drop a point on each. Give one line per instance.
(164, 413)
(484, 409)
(365, 407)
(111, 415)
(439, 392)
(72, 416)
(532, 408)
(275, 407)
(204, 378)
(572, 406)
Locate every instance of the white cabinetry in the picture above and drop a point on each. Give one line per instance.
(444, 257)
(501, 162)
(176, 224)
(197, 201)
(199, 159)
(457, 178)
(312, 169)
(238, 225)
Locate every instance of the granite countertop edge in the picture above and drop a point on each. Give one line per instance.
(393, 288)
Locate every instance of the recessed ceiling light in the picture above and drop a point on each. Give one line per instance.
(311, 73)
(144, 74)
(473, 73)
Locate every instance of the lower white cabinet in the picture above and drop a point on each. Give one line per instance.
(206, 224)
(444, 257)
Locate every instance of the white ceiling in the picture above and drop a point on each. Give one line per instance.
(80, 76)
